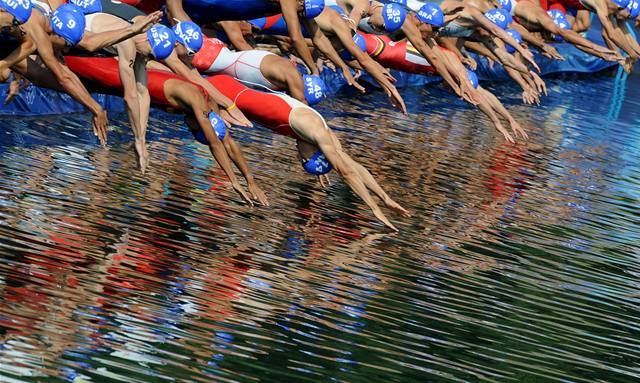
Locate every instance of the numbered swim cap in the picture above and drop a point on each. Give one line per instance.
(431, 13)
(505, 4)
(473, 78)
(88, 6)
(218, 125)
(219, 128)
(20, 9)
(189, 34)
(162, 40)
(360, 42)
(393, 16)
(317, 164)
(499, 17)
(312, 8)
(634, 9)
(621, 3)
(314, 89)
(68, 22)
(516, 36)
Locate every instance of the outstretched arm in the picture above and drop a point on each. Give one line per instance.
(500, 33)
(546, 49)
(502, 111)
(193, 100)
(26, 48)
(95, 41)
(175, 11)
(324, 45)
(178, 67)
(234, 33)
(291, 18)
(429, 50)
(343, 33)
(69, 81)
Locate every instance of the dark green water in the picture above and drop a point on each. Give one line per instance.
(520, 263)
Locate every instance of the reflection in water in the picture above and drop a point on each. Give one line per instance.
(520, 262)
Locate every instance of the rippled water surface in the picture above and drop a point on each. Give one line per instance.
(519, 264)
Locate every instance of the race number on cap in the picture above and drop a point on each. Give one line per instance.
(189, 34)
(314, 89)
(431, 13)
(218, 125)
(312, 8)
(88, 6)
(68, 22)
(162, 40)
(20, 9)
(393, 16)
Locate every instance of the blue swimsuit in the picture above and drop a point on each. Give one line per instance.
(209, 11)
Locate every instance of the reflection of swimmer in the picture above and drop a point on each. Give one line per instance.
(317, 145)
(169, 90)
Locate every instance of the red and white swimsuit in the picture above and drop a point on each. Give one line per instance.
(397, 55)
(272, 110)
(215, 58)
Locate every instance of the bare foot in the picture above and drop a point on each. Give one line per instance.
(142, 154)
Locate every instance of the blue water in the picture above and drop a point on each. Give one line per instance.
(520, 262)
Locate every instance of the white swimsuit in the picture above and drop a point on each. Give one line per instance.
(244, 66)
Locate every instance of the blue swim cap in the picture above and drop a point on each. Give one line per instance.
(20, 9)
(401, 2)
(317, 164)
(218, 125)
(360, 42)
(312, 8)
(162, 40)
(621, 3)
(393, 16)
(634, 9)
(555, 13)
(219, 128)
(189, 34)
(499, 17)
(431, 13)
(314, 89)
(88, 6)
(473, 78)
(68, 22)
(505, 4)
(516, 36)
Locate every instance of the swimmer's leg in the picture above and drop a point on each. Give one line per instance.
(502, 111)
(126, 60)
(144, 100)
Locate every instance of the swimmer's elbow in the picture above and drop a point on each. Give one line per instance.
(89, 44)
